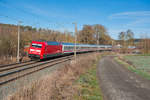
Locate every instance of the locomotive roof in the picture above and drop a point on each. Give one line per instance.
(53, 43)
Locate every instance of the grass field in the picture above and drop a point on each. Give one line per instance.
(140, 62)
(140, 65)
(133, 69)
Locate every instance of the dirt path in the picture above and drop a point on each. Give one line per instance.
(118, 83)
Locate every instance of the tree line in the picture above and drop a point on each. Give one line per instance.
(89, 34)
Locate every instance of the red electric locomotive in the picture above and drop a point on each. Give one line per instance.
(44, 49)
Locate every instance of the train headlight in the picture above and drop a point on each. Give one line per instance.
(32, 50)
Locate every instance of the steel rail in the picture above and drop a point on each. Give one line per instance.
(13, 67)
(8, 65)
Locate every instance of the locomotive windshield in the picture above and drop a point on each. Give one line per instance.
(36, 45)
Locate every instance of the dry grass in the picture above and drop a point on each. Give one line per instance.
(7, 60)
(10, 60)
(59, 85)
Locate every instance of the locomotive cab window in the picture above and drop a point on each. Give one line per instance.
(37, 45)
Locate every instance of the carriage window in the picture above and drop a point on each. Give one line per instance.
(36, 45)
(68, 47)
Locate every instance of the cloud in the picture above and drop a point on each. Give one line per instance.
(37, 11)
(43, 12)
(136, 14)
(132, 19)
(139, 22)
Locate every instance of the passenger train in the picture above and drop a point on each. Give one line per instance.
(44, 49)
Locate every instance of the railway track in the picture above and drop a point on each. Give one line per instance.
(14, 64)
(13, 72)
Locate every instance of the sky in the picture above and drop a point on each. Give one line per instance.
(115, 15)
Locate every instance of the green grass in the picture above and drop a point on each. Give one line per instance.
(89, 86)
(141, 62)
(142, 55)
(133, 69)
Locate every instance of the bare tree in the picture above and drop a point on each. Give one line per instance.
(127, 39)
(130, 37)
